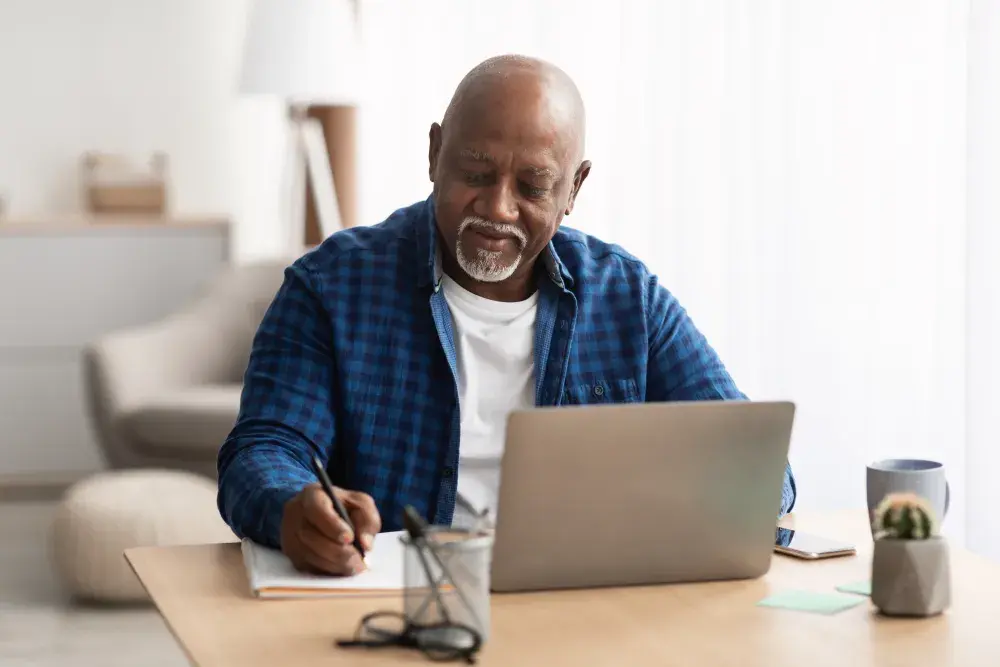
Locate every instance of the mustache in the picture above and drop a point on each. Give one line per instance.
(499, 228)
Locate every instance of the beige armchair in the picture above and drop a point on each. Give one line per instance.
(165, 395)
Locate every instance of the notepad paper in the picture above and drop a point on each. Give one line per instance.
(817, 603)
(272, 575)
(858, 588)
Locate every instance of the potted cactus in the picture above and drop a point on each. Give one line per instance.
(910, 567)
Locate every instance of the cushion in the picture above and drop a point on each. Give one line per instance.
(192, 422)
(102, 516)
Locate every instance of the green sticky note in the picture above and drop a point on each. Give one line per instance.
(817, 603)
(858, 588)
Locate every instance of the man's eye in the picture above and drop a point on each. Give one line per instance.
(476, 178)
(533, 191)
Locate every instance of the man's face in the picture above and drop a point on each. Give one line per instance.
(504, 175)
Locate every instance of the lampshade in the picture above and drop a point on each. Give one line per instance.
(301, 50)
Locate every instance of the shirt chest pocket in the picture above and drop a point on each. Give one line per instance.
(602, 391)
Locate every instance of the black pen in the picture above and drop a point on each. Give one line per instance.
(337, 505)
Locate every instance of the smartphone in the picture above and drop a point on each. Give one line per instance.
(812, 547)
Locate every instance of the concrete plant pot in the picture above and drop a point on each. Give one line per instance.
(911, 577)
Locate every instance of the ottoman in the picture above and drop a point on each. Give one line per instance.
(103, 515)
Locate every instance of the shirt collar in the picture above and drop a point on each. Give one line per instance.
(433, 269)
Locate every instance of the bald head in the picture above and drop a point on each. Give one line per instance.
(506, 163)
(533, 85)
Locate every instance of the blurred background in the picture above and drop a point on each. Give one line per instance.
(818, 183)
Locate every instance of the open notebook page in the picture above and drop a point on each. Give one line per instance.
(272, 575)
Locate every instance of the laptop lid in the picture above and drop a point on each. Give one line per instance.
(647, 493)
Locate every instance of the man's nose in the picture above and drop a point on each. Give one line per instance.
(498, 203)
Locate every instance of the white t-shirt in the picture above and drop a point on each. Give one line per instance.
(494, 343)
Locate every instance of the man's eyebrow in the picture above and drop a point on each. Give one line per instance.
(476, 156)
(540, 172)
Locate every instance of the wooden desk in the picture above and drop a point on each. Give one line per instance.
(201, 591)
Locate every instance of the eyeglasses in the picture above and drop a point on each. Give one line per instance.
(441, 642)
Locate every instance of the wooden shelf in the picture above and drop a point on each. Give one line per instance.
(86, 223)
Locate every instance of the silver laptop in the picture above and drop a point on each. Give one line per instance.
(650, 493)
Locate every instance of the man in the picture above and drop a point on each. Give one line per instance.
(395, 352)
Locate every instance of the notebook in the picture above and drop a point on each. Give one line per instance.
(272, 575)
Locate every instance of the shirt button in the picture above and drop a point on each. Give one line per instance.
(598, 390)
(448, 472)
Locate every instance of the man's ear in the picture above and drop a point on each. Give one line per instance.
(581, 176)
(433, 150)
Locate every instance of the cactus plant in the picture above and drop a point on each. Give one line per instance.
(905, 516)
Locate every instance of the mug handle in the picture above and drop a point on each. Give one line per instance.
(947, 497)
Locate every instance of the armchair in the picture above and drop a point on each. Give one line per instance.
(166, 394)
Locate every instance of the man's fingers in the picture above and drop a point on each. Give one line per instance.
(316, 539)
(364, 515)
(328, 556)
(317, 510)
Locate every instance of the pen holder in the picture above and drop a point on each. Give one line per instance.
(447, 583)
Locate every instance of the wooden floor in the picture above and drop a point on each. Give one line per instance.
(40, 627)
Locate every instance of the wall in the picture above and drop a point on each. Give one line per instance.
(983, 322)
(121, 75)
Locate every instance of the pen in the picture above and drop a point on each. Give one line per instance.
(337, 505)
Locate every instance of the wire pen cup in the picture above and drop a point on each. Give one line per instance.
(446, 594)
(447, 585)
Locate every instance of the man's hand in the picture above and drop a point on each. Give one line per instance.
(316, 540)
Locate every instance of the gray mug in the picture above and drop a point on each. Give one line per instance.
(924, 478)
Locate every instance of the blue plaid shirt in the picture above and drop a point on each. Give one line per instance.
(355, 361)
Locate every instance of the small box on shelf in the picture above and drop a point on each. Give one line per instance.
(114, 185)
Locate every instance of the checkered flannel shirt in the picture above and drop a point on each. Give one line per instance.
(355, 361)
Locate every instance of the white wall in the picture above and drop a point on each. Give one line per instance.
(983, 207)
(137, 76)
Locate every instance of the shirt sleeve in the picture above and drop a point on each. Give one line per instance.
(286, 412)
(684, 367)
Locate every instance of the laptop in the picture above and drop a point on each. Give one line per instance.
(634, 494)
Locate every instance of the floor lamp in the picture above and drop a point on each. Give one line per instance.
(304, 52)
